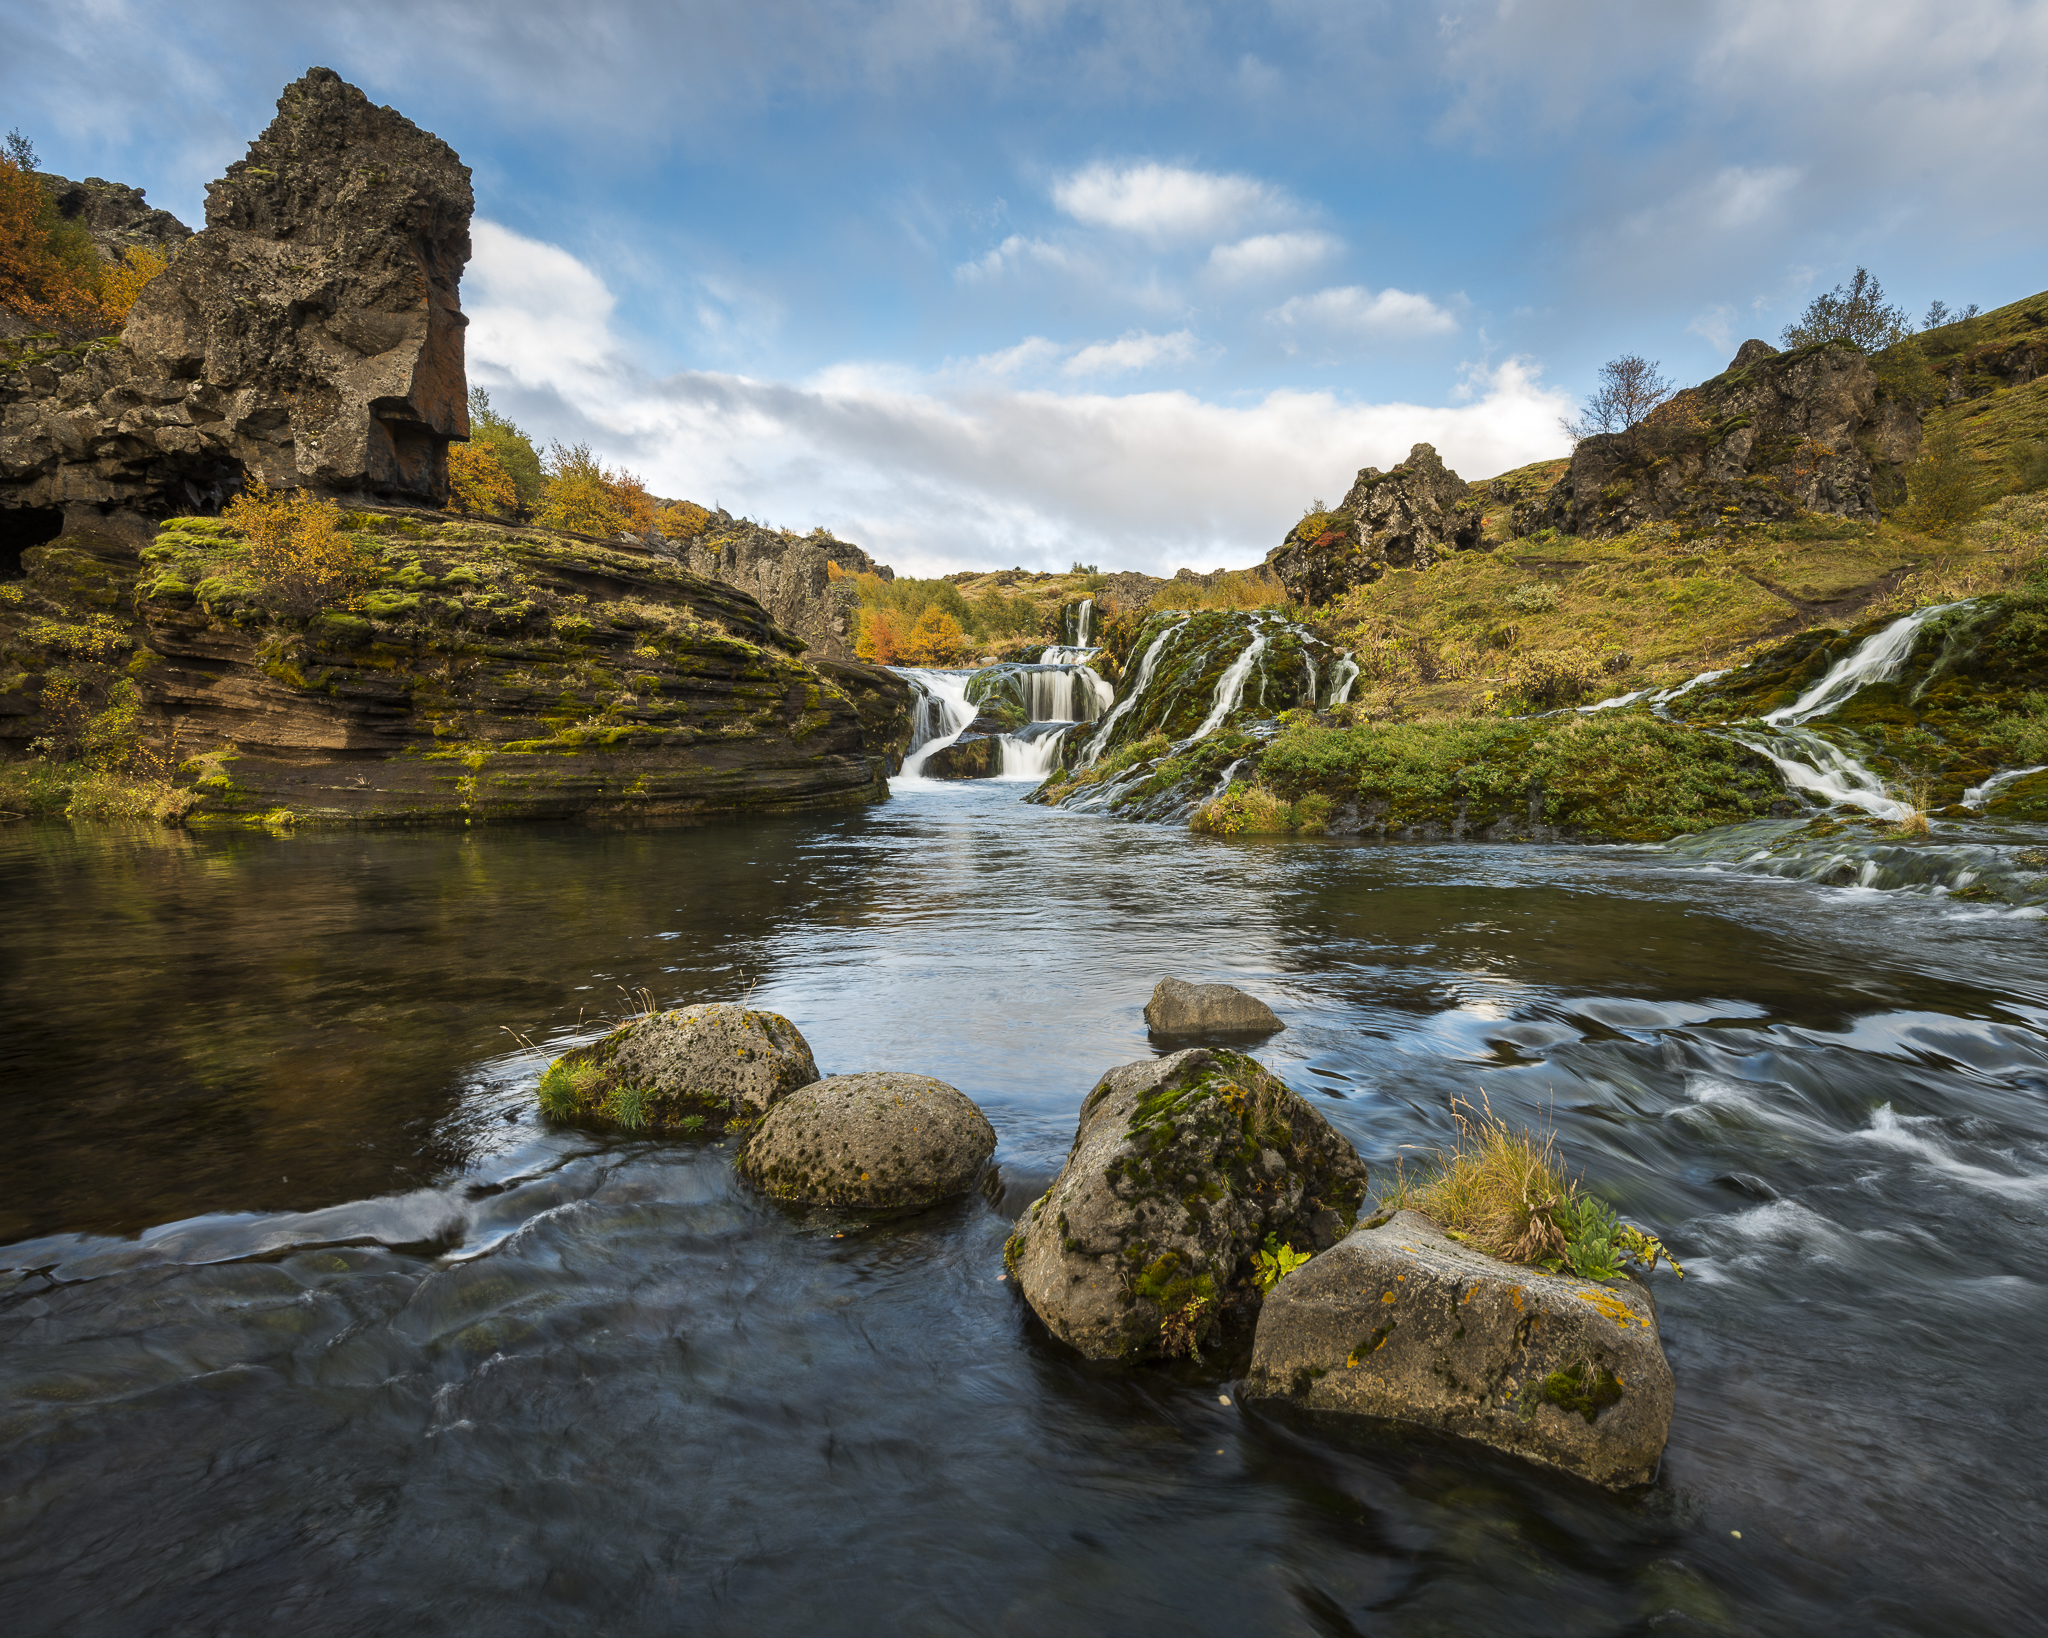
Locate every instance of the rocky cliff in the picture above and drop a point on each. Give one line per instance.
(311, 335)
(1773, 435)
(483, 672)
(1402, 519)
(791, 575)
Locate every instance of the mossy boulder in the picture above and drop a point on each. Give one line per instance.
(681, 1071)
(1404, 1324)
(1181, 1169)
(881, 1141)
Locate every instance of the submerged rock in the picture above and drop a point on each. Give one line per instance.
(1403, 1323)
(1180, 1008)
(882, 1141)
(1181, 1168)
(681, 1071)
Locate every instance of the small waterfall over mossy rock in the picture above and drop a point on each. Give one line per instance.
(1206, 690)
(1004, 721)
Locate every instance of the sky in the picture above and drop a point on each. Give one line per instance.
(994, 283)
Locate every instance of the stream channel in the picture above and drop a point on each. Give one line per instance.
(310, 1325)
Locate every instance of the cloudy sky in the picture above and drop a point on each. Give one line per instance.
(981, 282)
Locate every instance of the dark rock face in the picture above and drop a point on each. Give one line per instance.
(790, 575)
(682, 1070)
(972, 756)
(1773, 435)
(1180, 1008)
(1401, 1323)
(881, 1141)
(1403, 519)
(310, 336)
(116, 215)
(1180, 1169)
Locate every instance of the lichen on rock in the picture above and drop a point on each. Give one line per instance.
(683, 1071)
(1181, 1168)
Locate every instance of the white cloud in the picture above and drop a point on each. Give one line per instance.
(1716, 326)
(1009, 253)
(1272, 255)
(1133, 350)
(1165, 201)
(1354, 310)
(1029, 354)
(934, 473)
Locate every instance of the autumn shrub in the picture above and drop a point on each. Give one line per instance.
(49, 270)
(585, 495)
(1239, 589)
(478, 481)
(124, 281)
(1545, 679)
(297, 553)
(683, 520)
(1944, 483)
(514, 450)
(935, 639)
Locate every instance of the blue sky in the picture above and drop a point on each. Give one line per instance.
(992, 282)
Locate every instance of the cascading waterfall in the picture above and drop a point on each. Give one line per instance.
(1146, 666)
(940, 716)
(1230, 686)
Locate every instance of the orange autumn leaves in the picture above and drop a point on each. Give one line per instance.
(50, 273)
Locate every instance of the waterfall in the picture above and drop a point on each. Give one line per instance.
(1341, 680)
(1100, 742)
(1876, 659)
(941, 715)
(1230, 686)
(1033, 751)
(1809, 763)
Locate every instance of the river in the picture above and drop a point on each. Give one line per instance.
(309, 1325)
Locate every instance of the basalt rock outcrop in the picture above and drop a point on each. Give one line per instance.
(1180, 1170)
(117, 216)
(1400, 1323)
(1406, 518)
(1773, 435)
(792, 576)
(310, 336)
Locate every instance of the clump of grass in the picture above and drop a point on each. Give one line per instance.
(1504, 1190)
(1239, 589)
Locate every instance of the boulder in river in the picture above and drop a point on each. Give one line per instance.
(1181, 1169)
(1180, 1008)
(881, 1141)
(680, 1071)
(1403, 1323)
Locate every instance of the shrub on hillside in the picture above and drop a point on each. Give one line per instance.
(514, 450)
(1855, 312)
(297, 553)
(585, 495)
(49, 270)
(1945, 485)
(478, 481)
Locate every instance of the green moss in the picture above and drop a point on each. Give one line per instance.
(1584, 1389)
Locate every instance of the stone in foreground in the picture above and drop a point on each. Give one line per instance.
(882, 1141)
(1179, 1008)
(1181, 1168)
(1403, 1323)
(680, 1071)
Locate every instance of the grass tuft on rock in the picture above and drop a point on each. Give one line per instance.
(1504, 1190)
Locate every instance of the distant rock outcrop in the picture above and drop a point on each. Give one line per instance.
(792, 576)
(310, 336)
(1773, 435)
(116, 215)
(1403, 519)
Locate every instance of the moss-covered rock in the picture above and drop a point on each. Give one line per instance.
(681, 1071)
(880, 1141)
(1182, 1169)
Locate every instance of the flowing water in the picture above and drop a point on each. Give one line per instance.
(310, 1325)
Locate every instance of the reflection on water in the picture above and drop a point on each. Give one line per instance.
(309, 1325)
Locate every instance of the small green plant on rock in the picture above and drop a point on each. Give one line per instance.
(1273, 1264)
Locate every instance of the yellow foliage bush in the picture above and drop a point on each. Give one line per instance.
(49, 271)
(123, 282)
(478, 481)
(297, 552)
(683, 520)
(585, 495)
(936, 639)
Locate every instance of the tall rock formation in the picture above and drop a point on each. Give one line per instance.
(311, 335)
(1403, 519)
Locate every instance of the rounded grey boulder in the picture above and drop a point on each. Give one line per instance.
(882, 1141)
(1180, 1008)
(681, 1070)
(1402, 1323)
